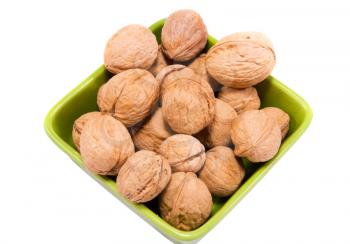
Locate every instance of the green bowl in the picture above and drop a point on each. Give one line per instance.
(82, 99)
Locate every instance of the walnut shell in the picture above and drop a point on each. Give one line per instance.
(198, 66)
(105, 145)
(143, 176)
(184, 35)
(281, 117)
(222, 172)
(186, 202)
(241, 60)
(152, 133)
(79, 124)
(256, 136)
(163, 73)
(217, 133)
(129, 95)
(160, 62)
(240, 99)
(183, 152)
(133, 46)
(187, 100)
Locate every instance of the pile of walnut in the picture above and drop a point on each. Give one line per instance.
(183, 133)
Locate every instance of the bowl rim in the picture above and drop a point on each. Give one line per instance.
(142, 210)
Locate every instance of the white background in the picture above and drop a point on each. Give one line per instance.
(47, 48)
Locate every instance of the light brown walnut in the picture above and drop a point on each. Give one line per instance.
(217, 133)
(240, 99)
(241, 60)
(160, 62)
(187, 100)
(184, 35)
(256, 136)
(198, 66)
(152, 133)
(129, 96)
(105, 145)
(222, 172)
(281, 117)
(183, 152)
(133, 46)
(143, 177)
(79, 124)
(186, 202)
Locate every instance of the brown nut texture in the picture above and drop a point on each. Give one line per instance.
(105, 145)
(133, 46)
(187, 100)
(198, 66)
(241, 60)
(222, 172)
(240, 99)
(281, 117)
(217, 133)
(184, 35)
(143, 176)
(186, 202)
(79, 125)
(163, 73)
(160, 62)
(152, 133)
(129, 96)
(256, 136)
(183, 152)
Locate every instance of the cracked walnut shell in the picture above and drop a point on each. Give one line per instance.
(222, 172)
(183, 152)
(129, 96)
(79, 124)
(133, 46)
(152, 133)
(241, 60)
(217, 133)
(143, 176)
(186, 202)
(184, 35)
(240, 99)
(187, 100)
(256, 136)
(281, 117)
(105, 145)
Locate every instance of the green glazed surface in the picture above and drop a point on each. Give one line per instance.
(82, 99)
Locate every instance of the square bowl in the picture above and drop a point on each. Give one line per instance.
(82, 99)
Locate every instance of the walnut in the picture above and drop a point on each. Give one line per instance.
(184, 35)
(79, 124)
(129, 95)
(187, 100)
(144, 175)
(256, 136)
(133, 46)
(105, 145)
(186, 202)
(281, 117)
(152, 133)
(198, 66)
(240, 99)
(183, 152)
(163, 73)
(241, 60)
(217, 133)
(222, 173)
(161, 62)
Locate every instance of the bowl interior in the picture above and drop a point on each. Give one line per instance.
(82, 99)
